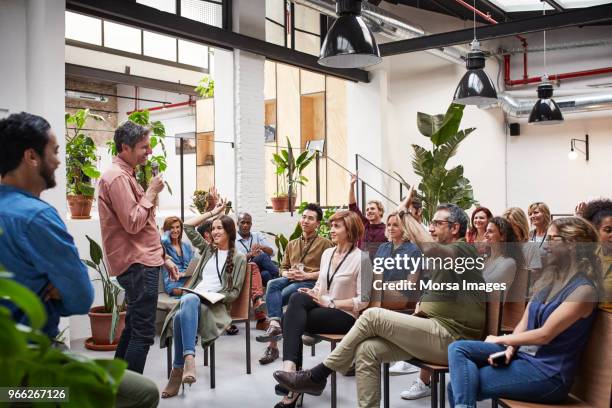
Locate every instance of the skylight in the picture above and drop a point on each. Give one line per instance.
(520, 5)
(581, 3)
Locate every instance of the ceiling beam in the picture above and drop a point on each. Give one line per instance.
(151, 19)
(577, 17)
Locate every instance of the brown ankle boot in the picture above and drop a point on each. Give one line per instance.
(189, 370)
(174, 383)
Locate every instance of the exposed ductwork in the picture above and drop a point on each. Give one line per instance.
(387, 24)
(521, 107)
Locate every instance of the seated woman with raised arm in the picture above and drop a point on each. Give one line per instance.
(333, 305)
(178, 252)
(221, 269)
(538, 361)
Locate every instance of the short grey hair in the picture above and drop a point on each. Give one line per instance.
(456, 215)
(129, 134)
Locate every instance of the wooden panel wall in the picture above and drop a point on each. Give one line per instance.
(337, 178)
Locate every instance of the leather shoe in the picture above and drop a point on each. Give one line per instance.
(269, 356)
(262, 324)
(299, 381)
(274, 333)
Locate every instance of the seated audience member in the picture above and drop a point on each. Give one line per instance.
(35, 243)
(221, 269)
(399, 244)
(475, 235)
(599, 213)
(178, 252)
(541, 356)
(381, 335)
(505, 256)
(341, 292)
(256, 247)
(539, 216)
(374, 225)
(299, 269)
(520, 225)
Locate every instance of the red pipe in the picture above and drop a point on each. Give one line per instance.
(167, 106)
(487, 18)
(556, 77)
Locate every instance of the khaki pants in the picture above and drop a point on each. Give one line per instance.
(381, 336)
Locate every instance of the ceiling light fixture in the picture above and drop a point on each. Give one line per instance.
(349, 43)
(475, 88)
(572, 155)
(545, 111)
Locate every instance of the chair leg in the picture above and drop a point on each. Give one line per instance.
(169, 355)
(434, 390)
(494, 403)
(212, 365)
(312, 350)
(333, 382)
(442, 386)
(386, 392)
(205, 356)
(248, 346)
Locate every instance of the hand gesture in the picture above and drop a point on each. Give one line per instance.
(407, 203)
(299, 275)
(510, 351)
(219, 208)
(213, 194)
(580, 208)
(173, 271)
(51, 293)
(354, 178)
(156, 185)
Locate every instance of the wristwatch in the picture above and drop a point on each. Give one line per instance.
(332, 305)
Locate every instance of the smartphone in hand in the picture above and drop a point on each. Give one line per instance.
(498, 358)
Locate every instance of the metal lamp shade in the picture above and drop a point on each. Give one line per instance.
(349, 44)
(545, 111)
(475, 88)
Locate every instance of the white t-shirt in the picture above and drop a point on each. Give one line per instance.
(210, 280)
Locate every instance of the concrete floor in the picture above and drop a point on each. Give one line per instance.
(235, 388)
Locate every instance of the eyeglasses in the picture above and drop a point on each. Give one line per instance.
(555, 238)
(437, 223)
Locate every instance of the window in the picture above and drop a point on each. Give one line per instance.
(581, 3)
(83, 28)
(122, 37)
(207, 12)
(520, 5)
(159, 46)
(169, 6)
(193, 54)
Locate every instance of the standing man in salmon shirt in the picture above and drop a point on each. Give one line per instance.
(131, 240)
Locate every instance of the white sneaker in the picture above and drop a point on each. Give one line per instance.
(402, 367)
(417, 390)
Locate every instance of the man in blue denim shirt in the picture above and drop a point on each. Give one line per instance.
(35, 244)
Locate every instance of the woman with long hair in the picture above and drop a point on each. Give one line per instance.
(221, 269)
(334, 303)
(177, 251)
(505, 256)
(478, 225)
(520, 226)
(551, 334)
(539, 216)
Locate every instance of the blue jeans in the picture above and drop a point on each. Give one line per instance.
(267, 268)
(185, 328)
(473, 379)
(278, 292)
(141, 286)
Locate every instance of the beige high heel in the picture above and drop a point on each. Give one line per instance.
(174, 383)
(189, 370)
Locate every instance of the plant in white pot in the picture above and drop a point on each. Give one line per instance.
(107, 321)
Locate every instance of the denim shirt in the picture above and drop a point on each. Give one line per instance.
(36, 247)
(182, 262)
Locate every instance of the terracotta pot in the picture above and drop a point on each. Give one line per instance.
(281, 204)
(80, 206)
(100, 327)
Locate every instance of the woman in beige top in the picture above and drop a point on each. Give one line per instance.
(333, 305)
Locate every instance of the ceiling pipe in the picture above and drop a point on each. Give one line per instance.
(387, 24)
(521, 107)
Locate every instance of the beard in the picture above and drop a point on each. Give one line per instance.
(48, 175)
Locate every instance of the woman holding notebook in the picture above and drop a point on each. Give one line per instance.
(205, 310)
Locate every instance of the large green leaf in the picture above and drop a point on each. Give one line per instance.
(91, 171)
(449, 126)
(429, 124)
(449, 148)
(95, 252)
(25, 300)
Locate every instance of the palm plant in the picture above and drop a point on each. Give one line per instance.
(439, 184)
(290, 169)
(110, 289)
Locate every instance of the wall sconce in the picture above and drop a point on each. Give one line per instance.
(572, 155)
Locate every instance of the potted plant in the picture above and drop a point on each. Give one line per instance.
(80, 164)
(206, 87)
(439, 184)
(107, 321)
(290, 171)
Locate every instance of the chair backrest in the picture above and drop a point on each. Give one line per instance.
(494, 313)
(594, 375)
(242, 305)
(516, 299)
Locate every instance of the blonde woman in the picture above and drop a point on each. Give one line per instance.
(539, 216)
(557, 322)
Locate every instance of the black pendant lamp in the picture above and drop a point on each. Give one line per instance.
(349, 43)
(475, 88)
(545, 111)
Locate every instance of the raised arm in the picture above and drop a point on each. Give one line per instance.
(351, 197)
